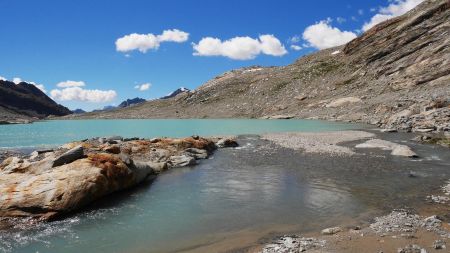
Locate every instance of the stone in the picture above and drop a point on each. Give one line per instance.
(389, 130)
(69, 156)
(113, 149)
(280, 116)
(64, 188)
(181, 161)
(439, 244)
(331, 231)
(402, 150)
(227, 143)
(396, 149)
(412, 248)
(343, 101)
(301, 97)
(196, 153)
(64, 180)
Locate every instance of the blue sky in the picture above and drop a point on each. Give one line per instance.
(49, 42)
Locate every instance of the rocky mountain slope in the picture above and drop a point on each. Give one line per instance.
(395, 75)
(23, 101)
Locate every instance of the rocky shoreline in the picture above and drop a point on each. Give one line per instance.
(403, 231)
(49, 183)
(400, 231)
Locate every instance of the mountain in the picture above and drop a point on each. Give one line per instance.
(78, 111)
(395, 75)
(175, 93)
(25, 101)
(130, 102)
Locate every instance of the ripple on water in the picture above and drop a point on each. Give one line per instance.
(20, 232)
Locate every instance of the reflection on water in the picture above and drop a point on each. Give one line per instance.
(249, 189)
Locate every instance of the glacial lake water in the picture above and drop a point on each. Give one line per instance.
(239, 197)
(57, 132)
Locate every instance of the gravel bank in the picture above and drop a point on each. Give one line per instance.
(322, 143)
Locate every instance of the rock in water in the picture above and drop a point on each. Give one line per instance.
(331, 231)
(182, 160)
(79, 173)
(227, 143)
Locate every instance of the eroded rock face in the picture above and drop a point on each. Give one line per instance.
(74, 175)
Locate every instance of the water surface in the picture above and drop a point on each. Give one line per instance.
(233, 199)
(57, 132)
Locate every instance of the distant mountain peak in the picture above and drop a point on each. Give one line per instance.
(132, 101)
(24, 100)
(176, 92)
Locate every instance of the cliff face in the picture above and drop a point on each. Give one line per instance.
(395, 75)
(25, 101)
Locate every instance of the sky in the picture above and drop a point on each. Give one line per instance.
(88, 54)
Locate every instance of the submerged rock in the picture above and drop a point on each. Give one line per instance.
(76, 174)
(227, 143)
(331, 231)
(396, 149)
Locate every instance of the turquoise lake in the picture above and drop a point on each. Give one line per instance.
(238, 198)
(57, 132)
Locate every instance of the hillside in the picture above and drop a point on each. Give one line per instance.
(22, 102)
(397, 74)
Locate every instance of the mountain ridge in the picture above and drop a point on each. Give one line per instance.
(395, 75)
(24, 102)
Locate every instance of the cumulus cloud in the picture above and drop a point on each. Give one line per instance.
(145, 42)
(70, 83)
(396, 8)
(2, 78)
(80, 94)
(322, 35)
(240, 48)
(143, 87)
(296, 47)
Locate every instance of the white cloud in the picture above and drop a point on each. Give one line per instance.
(17, 80)
(2, 78)
(69, 83)
(174, 35)
(75, 93)
(143, 87)
(361, 12)
(240, 48)
(296, 47)
(396, 8)
(145, 42)
(322, 35)
(295, 39)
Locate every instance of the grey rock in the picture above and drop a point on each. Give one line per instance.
(196, 153)
(439, 244)
(181, 161)
(227, 143)
(69, 156)
(331, 231)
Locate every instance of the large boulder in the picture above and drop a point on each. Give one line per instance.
(65, 188)
(49, 184)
